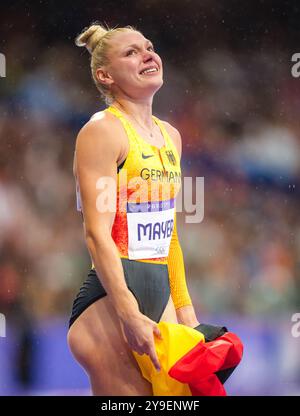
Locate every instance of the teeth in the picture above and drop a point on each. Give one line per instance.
(149, 70)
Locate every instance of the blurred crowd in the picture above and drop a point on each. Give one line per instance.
(237, 112)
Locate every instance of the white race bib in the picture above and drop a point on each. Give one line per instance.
(150, 228)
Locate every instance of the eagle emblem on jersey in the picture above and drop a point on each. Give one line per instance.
(171, 157)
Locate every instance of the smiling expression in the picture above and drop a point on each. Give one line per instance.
(134, 67)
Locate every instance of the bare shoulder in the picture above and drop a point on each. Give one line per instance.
(174, 134)
(103, 133)
(102, 126)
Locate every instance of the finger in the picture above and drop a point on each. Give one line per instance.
(137, 350)
(157, 332)
(154, 358)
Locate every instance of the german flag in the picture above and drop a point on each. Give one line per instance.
(194, 361)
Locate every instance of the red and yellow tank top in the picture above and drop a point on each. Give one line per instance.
(147, 185)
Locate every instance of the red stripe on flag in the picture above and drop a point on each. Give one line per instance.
(197, 368)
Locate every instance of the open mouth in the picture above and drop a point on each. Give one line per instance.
(149, 71)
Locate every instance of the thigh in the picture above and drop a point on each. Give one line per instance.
(96, 341)
(169, 314)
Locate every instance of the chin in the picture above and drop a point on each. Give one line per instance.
(157, 82)
(150, 89)
(160, 84)
(156, 87)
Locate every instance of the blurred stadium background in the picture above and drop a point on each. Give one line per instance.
(230, 92)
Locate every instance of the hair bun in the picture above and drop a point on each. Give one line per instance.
(90, 37)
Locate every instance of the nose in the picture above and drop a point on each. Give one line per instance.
(147, 55)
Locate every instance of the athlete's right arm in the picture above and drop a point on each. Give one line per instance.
(96, 154)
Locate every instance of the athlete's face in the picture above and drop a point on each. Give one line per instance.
(131, 53)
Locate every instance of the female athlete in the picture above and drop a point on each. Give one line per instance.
(137, 277)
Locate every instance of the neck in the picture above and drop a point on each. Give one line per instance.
(141, 111)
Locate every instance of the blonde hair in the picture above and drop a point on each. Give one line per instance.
(96, 39)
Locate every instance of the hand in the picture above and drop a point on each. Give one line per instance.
(138, 330)
(186, 315)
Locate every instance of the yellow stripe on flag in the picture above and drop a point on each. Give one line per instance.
(177, 341)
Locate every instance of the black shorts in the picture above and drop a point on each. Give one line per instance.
(149, 283)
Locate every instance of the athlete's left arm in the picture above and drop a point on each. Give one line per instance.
(179, 291)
